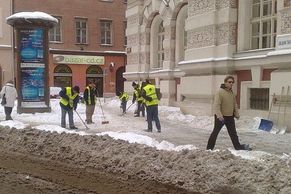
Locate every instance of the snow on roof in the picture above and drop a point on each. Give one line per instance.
(27, 16)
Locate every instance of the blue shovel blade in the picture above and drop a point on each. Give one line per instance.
(266, 125)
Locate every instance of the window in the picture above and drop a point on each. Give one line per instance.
(161, 37)
(55, 32)
(259, 98)
(264, 24)
(287, 3)
(81, 31)
(106, 32)
(124, 30)
(62, 76)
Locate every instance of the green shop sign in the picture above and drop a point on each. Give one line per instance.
(78, 59)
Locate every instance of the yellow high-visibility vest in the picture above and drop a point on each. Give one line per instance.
(71, 97)
(151, 92)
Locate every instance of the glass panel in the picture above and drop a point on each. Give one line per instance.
(267, 27)
(267, 9)
(275, 26)
(255, 42)
(256, 29)
(256, 11)
(266, 42)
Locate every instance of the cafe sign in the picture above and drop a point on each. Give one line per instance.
(78, 59)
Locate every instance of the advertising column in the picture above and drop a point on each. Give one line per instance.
(32, 70)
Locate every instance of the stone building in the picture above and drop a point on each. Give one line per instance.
(88, 44)
(6, 54)
(187, 47)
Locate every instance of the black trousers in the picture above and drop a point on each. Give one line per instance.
(153, 115)
(140, 108)
(230, 126)
(8, 111)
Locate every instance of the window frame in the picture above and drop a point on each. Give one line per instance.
(161, 50)
(265, 40)
(82, 29)
(54, 29)
(106, 21)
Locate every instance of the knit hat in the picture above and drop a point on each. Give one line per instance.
(76, 89)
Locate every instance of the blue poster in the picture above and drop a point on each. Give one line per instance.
(31, 45)
(32, 83)
(32, 67)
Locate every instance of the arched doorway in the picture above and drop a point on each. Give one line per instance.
(62, 76)
(94, 74)
(120, 79)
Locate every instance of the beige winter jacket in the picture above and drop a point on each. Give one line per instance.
(225, 104)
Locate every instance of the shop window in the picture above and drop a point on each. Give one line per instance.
(264, 24)
(259, 98)
(55, 34)
(95, 74)
(62, 76)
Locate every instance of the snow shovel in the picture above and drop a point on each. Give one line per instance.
(266, 125)
(82, 120)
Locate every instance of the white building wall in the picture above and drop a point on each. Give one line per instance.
(218, 44)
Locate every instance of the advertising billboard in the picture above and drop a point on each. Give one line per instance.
(32, 66)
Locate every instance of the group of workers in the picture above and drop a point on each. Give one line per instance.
(145, 94)
(147, 97)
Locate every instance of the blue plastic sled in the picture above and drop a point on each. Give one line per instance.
(266, 125)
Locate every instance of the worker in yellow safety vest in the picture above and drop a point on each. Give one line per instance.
(151, 95)
(69, 100)
(140, 101)
(123, 96)
(90, 94)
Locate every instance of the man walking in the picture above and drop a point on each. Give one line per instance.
(69, 100)
(225, 109)
(90, 94)
(150, 94)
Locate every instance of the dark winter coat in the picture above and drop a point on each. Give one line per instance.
(93, 94)
(63, 94)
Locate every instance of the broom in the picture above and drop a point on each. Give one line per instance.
(103, 116)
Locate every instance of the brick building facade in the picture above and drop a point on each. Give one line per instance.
(87, 44)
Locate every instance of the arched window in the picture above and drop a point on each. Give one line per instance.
(157, 36)
(181, 34)
(62, 76)
(161, 53)
(94, 73)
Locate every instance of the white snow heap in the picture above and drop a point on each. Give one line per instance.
(28, 16)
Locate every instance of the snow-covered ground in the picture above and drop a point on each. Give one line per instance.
(130, 128)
